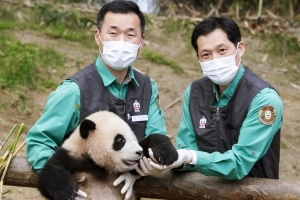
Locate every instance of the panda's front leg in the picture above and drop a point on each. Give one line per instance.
(56, 183)
(163, 150)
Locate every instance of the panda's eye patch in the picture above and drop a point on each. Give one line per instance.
(119, 142)
(121, 139)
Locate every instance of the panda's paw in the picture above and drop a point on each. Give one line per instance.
(67, 194)
(163, 150)
(165, 155)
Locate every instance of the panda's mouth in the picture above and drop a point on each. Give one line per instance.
(130, 162)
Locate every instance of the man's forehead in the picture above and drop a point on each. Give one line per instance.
(216, 36)
(213, 40)
(120, 19)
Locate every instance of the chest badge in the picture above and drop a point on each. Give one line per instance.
(202, 122)
(267, 115)
(136, 106)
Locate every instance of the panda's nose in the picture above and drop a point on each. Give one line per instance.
(139, 153)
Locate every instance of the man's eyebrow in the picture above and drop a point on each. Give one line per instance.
(219, 45)
(113, 27)
(117, 28)
(132, 29)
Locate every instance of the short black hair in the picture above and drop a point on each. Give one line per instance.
(229, 26)
(122, 7)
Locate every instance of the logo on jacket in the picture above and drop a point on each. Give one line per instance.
(267, 115)
(202, 122)
(136, 106)
(157, 101)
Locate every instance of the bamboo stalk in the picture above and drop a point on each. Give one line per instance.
(11, 151)
(14, 154)
(8, 136)
(3, 175)
(4, 156)
(291, 8)
(237, 11)
(17, 137)
(259, 11)
(19, 148)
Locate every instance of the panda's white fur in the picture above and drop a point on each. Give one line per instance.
(98, 145)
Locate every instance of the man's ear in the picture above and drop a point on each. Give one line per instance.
(241, 48)
(97, 37)
(142, 41)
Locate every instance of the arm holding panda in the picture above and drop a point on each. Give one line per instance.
(129, 178)
(163, 152)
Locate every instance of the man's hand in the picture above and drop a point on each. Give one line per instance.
(129, 180)
(80, 195)
(145, 169)
(184, 157)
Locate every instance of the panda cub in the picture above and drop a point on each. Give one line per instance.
(101, 148)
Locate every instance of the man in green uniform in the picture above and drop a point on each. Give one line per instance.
(110, 83)
(231, 119)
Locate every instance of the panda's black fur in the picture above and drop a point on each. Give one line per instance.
(88, 159)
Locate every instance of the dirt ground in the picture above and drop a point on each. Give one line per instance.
(171, 88)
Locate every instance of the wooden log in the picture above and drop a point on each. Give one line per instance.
(194, 186)
(182, 185)
(19, 173)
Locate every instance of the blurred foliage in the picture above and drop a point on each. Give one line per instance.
(65, 22)
(280, 7)
(285, 52)
(48, 15)
(282, 45)
(283, 145)
(148, 20)
(160, 59)
(26, 65)
(180, 27)
(51, 20)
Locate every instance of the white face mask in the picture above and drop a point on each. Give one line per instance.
(119, 54)
(221, 70)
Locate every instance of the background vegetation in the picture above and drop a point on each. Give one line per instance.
(28, 65)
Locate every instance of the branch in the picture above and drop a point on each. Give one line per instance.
(181, 185)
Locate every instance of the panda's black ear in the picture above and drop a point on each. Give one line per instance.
(85, 127)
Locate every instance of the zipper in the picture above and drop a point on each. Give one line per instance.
(218, 131)
(124, 108)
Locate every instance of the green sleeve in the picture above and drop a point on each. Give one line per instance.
(254, 140)
(60, 116)
(156, 122)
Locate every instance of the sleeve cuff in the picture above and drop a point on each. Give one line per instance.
(194, 160)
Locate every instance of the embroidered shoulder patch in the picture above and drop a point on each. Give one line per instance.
(157, 101)
(267, 115)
